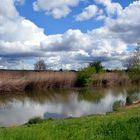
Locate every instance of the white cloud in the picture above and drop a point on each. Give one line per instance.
(104, 2)
(111, 8)
(127, 25)
(55, 8)
(21, 39)
(20, 1)
(88, 13)
(85, 47)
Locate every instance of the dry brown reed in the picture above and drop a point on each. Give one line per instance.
(11, 81)
(24, 80)
(109, 79)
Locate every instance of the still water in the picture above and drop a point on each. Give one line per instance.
(16, 109)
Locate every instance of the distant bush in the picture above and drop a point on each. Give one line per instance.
(130, 99)
(117, 105)
(97, 65)
(84, 76)
(134, 75)
(35, 120)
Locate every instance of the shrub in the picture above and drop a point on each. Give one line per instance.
(128, 100)
(84, 76)
(35, 120)
(97, 65)
(134, 75)
(117, 105)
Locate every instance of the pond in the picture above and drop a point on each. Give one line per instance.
(16, 109)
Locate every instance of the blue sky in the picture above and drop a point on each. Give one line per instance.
(56, 26)
(67, 34)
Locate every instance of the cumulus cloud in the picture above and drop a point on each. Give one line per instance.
(111, 8)
(88, 13)
(83, 48)
(55, 8)
(127, 25)
(18, 36)
(21, 41)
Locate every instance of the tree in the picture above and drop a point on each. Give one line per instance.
(40, 65)
(97, 65)
(133, 63)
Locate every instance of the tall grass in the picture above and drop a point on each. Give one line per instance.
(20, 80)
(32, 80)
(108, 79)
(44, 80)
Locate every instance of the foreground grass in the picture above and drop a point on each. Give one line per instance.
(121, 125)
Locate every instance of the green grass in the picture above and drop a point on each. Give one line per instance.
(121, 125)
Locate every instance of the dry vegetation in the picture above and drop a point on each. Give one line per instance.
(11, 81)
(113, 78)
(31, 80)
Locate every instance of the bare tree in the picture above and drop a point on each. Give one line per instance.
(134, 61)
(40, 65)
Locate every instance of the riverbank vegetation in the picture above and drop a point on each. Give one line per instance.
(11, 81)
(33, 80)
(122, 124)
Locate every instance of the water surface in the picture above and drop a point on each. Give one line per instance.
(16, 109)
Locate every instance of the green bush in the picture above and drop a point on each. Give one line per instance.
(128, 100)
(117, 105)
(35, 120)
(134, 75)
(84, 76)
(97, 65)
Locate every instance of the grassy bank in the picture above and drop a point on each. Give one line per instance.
(11, 81)
(121, 125)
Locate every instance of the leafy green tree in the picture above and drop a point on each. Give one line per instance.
(97, 65)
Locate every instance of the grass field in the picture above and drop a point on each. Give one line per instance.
(121, 125)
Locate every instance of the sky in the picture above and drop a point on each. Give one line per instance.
(67, 34)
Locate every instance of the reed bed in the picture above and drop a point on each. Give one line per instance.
(12, 81)
(24, 80)
(45, 80)
(110, 79)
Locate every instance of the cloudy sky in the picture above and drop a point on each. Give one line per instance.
(67, 34)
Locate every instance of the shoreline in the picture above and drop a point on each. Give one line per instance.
(21, 81)
(100, 126)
